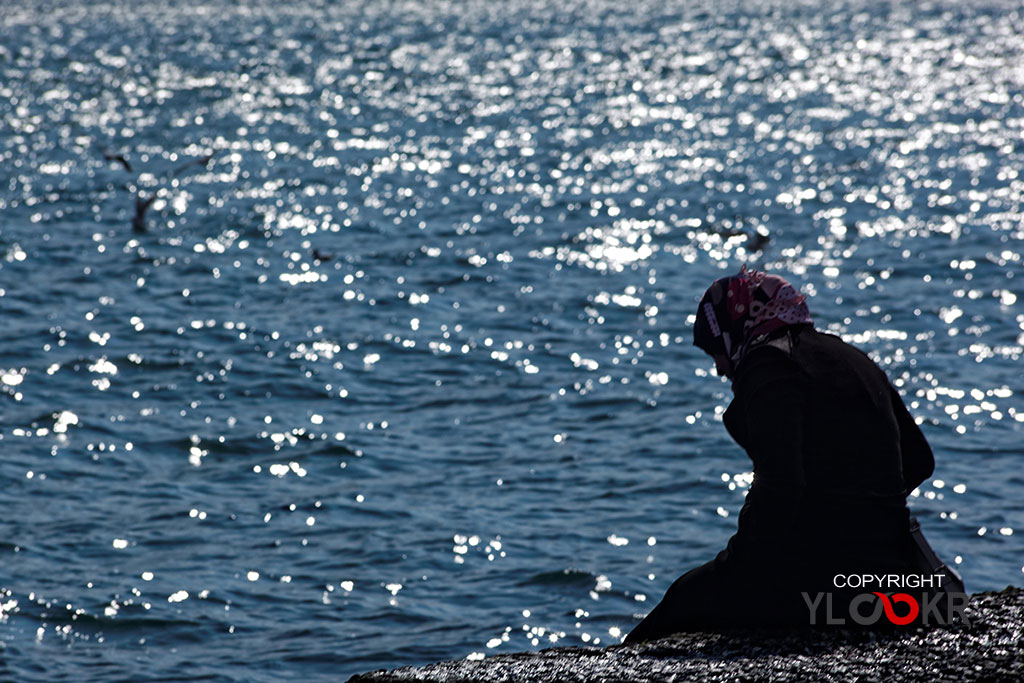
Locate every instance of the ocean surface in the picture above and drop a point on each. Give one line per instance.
(403, 370)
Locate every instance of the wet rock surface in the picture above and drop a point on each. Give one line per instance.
(988, 648)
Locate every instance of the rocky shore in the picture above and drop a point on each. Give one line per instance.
(990, 648)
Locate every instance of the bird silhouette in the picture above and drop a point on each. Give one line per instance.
(321, 256)
(143, 201)
(120, 159)
(141, 207)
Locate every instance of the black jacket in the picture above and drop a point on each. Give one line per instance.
(835, 453)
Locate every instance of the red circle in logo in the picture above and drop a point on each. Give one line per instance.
(890, 613)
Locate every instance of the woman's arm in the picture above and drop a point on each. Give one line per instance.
(770, 393)
(918, 461)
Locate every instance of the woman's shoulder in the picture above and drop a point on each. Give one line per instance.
(831, 364)
(825, 347)
(802, 352)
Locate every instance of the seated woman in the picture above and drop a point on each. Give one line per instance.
(834, 453)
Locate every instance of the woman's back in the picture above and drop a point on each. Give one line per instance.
(848, 417)
(822, 413)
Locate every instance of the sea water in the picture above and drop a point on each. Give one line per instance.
(403, 371)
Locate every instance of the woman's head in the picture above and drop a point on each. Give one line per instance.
(741, 308)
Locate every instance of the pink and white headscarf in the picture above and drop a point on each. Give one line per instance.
(740, 309)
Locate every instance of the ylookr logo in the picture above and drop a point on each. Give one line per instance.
(869, 608)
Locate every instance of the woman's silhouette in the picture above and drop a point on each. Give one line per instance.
(834, 453)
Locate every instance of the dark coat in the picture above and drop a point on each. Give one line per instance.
(834, 454)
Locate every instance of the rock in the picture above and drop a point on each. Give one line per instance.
(989, 648)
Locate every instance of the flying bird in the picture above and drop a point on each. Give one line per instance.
(141, 207)
(142, 201)
(321, 257)
(120, 158)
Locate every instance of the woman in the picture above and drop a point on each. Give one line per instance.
(834, 451)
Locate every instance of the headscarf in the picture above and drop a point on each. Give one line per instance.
(741, 309)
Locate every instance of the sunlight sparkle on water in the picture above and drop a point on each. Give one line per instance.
(439, 272)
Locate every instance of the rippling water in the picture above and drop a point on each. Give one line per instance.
(404, 371)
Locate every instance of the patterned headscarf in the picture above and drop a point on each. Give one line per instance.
(742, 308)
